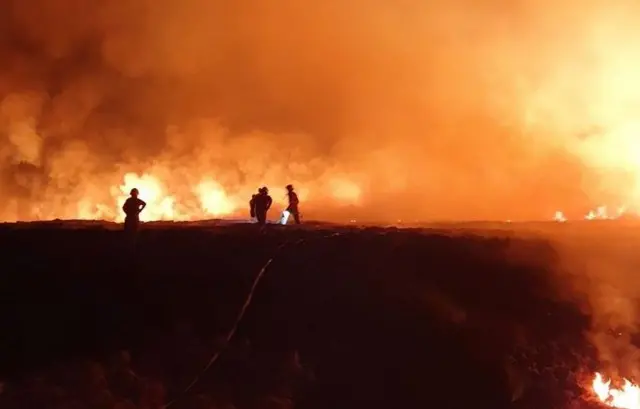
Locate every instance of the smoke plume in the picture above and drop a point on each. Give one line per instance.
(407, 109)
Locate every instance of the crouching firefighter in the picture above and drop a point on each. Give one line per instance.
(292, 209)
(260, 205)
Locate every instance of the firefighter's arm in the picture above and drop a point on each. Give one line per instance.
(143, 205)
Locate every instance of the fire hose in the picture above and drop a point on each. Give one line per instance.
(243, 310)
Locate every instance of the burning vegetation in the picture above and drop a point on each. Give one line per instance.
(412, 109)
(418, 110)
(627, 396)
(205, 200)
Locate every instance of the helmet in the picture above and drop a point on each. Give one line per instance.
(265, 189)
(134, 192)
(289, 187)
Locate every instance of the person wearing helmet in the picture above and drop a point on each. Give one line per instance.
(252, 203)
(293, 204)
(132, 208)
(260, 204)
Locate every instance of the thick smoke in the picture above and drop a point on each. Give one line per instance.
(598, 268)
(433, 110)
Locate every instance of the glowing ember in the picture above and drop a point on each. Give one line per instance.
(627, 397)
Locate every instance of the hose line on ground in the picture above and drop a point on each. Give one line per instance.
(243, 310)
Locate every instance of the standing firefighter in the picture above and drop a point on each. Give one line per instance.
(292, 209)
(260, 204)
(132, 208)
(252, 205)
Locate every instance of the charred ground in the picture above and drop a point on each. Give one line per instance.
(343, 318)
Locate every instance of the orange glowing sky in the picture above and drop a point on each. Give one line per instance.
(408, 109)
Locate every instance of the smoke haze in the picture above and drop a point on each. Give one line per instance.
(459, 109)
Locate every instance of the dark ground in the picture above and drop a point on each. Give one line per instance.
(375, 318)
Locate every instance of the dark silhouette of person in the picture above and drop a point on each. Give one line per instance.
(132, 208)
(252, 204)
(293, 204)
(260, 204)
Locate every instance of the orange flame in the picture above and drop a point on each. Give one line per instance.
(214, 199)
(600, 213)
(559, 217)
(193, 201)
(627, 397)
(160, 205)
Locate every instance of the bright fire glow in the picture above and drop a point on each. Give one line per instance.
(600, 213)
(626, 397)
(192, 201)
(345, 191)
(527, 99)
(589, 99)
(160, 204)
(214, 199)
(559, 217)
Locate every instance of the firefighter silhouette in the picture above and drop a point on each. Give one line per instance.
(292, 209)
(260, 204)
(132, 208)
